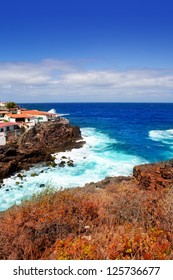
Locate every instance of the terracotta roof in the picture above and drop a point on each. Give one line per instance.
(36, 112)
(5, 124)
(18, 116)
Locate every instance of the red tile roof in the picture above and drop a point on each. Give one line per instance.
(6, 124)
(36, 112)
(19, 116)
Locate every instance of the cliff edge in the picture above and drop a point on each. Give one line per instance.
(36, 145)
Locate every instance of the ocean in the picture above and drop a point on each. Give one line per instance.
(118, 136)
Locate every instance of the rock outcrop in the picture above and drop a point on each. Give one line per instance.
(37, 145)
(154, 176)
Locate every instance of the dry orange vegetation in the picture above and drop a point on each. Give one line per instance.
(118, 221)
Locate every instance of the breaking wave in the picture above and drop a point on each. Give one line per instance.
(163, 136)
(98, 158)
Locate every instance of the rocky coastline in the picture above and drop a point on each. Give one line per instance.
(36, 145)
(40, 142)
(152, 177)
(118, 218)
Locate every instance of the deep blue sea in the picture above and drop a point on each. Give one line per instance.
(118, 136)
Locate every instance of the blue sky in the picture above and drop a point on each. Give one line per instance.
(90, 50)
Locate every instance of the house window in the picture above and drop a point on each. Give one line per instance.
(16, 127)
(40, 118)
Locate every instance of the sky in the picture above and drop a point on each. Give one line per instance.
(86, 51)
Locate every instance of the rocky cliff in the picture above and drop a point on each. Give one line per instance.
(36, 145)
(154, 176)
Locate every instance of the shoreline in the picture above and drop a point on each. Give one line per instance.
(120, 218)
(37, 145)
(151, 176)
(33, 184)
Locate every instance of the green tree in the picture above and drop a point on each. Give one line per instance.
(9, 105)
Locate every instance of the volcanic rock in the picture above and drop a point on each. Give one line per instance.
(154, 176)
(36, 145)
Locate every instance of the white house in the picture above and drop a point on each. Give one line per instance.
(13, 110)
(40, 115)
(7, 130)
(2, 104)
(2, 114)
(20, 118)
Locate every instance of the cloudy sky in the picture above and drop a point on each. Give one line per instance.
(86, 51)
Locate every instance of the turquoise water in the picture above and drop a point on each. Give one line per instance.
(118, 136)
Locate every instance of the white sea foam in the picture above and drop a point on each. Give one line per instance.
(97, 159)
(163, 136)
(53, 111)
(61, 115)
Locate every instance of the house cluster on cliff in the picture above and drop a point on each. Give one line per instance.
(13, 121)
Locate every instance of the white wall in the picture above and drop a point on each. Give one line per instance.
(2, 139)
(6, 118)
(44, 118)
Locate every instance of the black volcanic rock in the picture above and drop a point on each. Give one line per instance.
(37, 144)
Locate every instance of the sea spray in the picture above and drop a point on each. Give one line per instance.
(53, 111)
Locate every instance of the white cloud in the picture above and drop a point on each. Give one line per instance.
(55, 80)
(132, 79)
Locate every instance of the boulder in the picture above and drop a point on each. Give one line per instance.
(62, 164)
